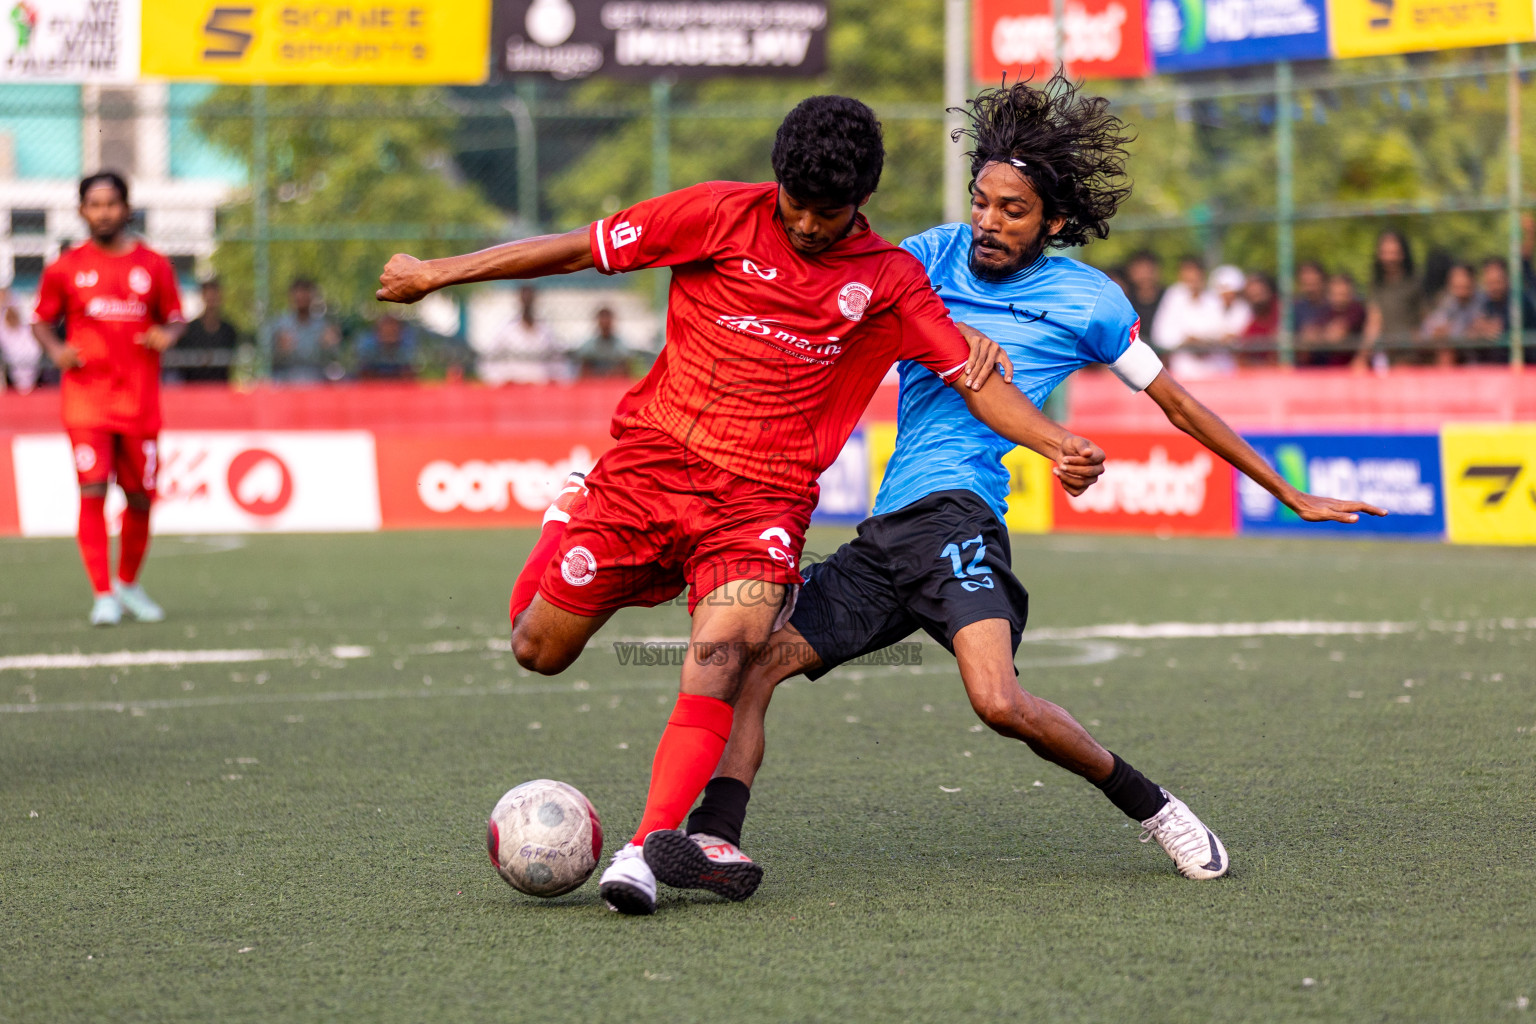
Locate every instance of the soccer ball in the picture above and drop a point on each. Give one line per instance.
(544, 838)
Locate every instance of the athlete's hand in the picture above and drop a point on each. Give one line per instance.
(66, 357)
(1330, 510)
(405, 279)
(986, 355)
(1080, 466)
(157, 339)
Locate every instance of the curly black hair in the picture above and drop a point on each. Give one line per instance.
(829, 150)
(104, 178)
(1071, 148)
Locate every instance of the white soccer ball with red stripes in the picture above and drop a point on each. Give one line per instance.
(544, 838)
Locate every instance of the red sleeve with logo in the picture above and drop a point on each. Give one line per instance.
(660, 232)
(928, 335)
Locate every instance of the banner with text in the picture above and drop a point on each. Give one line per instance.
(1363, 28)
(1017, 38)
(288, 481)
(70, 41)
(1193, 35)
(441, 42)
(574, 39)
(1397, 472)
(1152, 483)
(1490, 482)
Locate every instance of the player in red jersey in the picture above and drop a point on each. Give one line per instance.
(120, 308)
(785, 312)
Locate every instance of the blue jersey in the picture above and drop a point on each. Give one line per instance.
(1053, 317)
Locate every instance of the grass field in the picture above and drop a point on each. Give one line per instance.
(301, 837)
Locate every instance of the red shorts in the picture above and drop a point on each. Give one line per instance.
(658, 518)
(102, 455)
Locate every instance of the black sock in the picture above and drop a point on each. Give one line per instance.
(1131, 791)
(723, 810)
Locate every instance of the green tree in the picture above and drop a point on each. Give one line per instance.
(354, 174)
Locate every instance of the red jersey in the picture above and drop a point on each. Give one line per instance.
(107, 302)
(771, 355)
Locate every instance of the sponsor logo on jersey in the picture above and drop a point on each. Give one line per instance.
(102, 307)
(763, 327)
(766, 273)
(623, 233)
(853, 300)
(86, 279)
(578, 567)
(1136, 331)
(139, 280)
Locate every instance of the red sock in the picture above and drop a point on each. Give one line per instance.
(133, 543)
(686, 757)
(527, 584)
(92, 536)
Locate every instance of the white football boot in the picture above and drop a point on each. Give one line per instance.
(137, 603)
(574, 490)
(628, 885)
(701, 861)
(1195, 850)
(106, 611)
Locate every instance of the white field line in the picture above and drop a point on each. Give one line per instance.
(134, 659)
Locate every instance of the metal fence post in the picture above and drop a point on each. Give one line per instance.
(956, 37)
(1285, 212)
(1512, 203)
(661, 164)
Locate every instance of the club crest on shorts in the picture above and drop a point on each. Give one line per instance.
(85, 458)
(578, 567)
(853, 300)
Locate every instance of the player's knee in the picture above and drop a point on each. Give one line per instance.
(1005, 708)
(93, 490)
(537, 654)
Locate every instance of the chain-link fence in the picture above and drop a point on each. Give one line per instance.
(1288, 174)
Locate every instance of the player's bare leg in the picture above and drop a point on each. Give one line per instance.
(547, 639)
(985, 652)
(731, 628)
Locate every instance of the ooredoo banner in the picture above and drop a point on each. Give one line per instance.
(1152, 483)
(1397, 472)
(1017, 38)
(217, 482)
(457, 481)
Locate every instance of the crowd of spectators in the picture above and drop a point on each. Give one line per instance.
(304, 345)
(1452, 313)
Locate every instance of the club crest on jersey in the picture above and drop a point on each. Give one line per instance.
(86, 279)
(853, 300)
(578, 567)
(138, 280)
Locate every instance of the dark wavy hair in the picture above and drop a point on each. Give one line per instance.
(829, 150)
(1071, 147)
(104, 178)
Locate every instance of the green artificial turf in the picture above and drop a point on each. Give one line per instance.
(302, 838)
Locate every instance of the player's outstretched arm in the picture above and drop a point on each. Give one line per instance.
(407, 279)
(1189, 415)
(1001, 406)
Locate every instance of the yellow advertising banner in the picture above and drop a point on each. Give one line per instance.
(1363, 28)
(1030, 509)
(428, 42)
(1490, 482)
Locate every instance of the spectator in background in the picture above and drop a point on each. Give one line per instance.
(1144, 286)
(1395, 307)
(1310, 305)
(304, 343)
(1491, 323)
(1453, 318)
(604, 354)
(388, 351)
(20, 354)
(1256, 347)
(1334, 340)
(1228, 282)
(522, 351)
(1190, 324)
(207, 347)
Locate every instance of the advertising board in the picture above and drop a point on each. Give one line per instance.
(402, 42)
(217, 482)
(1195, 35)
(1397, 472)
(1017, 38)
(1152, 483)
(70, 41)
(1490, 482)
(1363, 28)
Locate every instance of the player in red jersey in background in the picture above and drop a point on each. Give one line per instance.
(785, 312)
(120, 308)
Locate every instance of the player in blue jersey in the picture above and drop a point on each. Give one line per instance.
(1047, 170)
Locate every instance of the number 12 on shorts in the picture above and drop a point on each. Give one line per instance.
(973, 576)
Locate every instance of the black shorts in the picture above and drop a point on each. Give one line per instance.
(937, 565)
